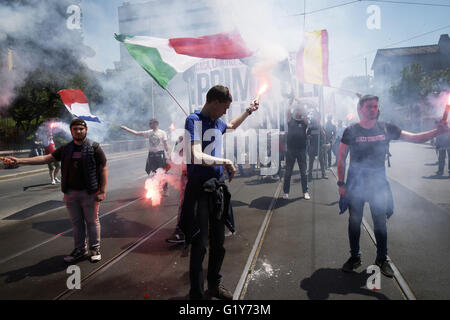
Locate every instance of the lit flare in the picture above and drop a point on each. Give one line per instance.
(447, 109)
(7, 160)
(261, 90)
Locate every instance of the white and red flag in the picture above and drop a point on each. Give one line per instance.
(77, 104)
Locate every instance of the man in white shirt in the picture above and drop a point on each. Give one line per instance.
(157, 139)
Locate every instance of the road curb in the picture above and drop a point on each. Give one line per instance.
(21, 174)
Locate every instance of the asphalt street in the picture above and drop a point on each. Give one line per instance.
(282, 249)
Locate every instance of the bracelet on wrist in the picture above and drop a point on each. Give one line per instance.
(249, 110)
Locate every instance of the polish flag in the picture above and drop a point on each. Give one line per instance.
(77, 104)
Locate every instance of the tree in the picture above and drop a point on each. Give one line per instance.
(37, 100)
(412, 86)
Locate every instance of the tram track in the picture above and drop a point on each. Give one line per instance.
(116, 258)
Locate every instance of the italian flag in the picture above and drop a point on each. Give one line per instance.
(164, 58)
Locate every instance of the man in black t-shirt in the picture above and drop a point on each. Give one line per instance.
(84, 176)
(367, 142)
(296, 150)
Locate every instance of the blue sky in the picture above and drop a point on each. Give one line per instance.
(350, 41)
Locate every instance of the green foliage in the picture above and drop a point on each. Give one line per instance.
(37, 100)
(415, 84)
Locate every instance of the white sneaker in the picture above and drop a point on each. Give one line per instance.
(53, 181)
(57, 180)
(286, 196)
(95, 255)
(306, 196)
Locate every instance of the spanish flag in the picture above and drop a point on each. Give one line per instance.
(312, 58)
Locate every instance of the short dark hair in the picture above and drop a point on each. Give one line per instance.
(153, 120)
(219, 93)
(366, 98)
(78, 122)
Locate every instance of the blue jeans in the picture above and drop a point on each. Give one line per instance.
(83, 211)
(377, 203)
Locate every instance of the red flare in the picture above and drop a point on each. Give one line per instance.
(149, 194)
(350, 117)
(262, 89)
(447, 109)
(172, 127)
(7, 160)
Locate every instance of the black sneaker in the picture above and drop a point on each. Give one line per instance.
(220, 292)
(95, 255)
(76, 255)
(351, 264)
(176, 238)
(385, 268)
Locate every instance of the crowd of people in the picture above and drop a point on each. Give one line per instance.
(205, 201)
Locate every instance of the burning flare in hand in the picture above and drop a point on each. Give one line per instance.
(447, 109)
(261, 90)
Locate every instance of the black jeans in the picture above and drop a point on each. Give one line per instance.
(312, 157)
(329, 155)
(291, 156)
(207, 221)
(441, 159)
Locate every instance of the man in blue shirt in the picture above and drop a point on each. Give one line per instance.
(205, 129)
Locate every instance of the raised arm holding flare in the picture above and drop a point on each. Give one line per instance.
(367, 142)
(157, 140)
(199, 220)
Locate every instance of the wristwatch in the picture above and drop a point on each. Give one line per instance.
(249, 110)
(341, 183)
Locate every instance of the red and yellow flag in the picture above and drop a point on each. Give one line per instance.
(312, 58)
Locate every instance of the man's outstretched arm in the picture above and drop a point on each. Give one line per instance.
(34, 160)
(421, 137)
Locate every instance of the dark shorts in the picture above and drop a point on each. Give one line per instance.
(54, 165)
(155, 160)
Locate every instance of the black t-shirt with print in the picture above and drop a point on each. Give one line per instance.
(296, 137)
(368, 146)
(75, 179)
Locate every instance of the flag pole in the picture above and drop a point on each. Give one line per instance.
(167, 90)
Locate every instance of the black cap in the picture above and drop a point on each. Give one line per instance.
(78, 122)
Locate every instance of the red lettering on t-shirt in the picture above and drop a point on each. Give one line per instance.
(380, 137)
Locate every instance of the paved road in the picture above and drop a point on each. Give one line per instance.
(283, 249)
